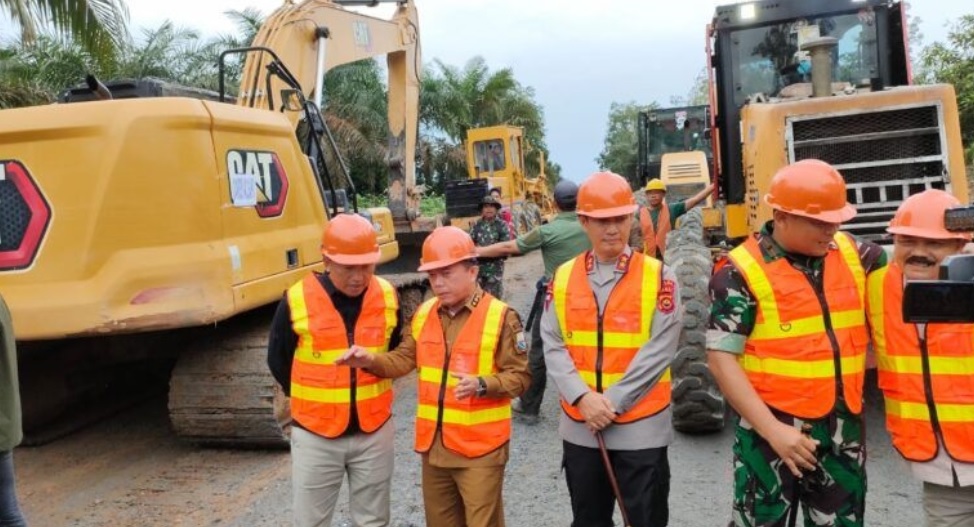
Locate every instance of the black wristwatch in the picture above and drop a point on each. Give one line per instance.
(482, 389)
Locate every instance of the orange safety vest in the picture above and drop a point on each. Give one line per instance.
(802, 341)
(929, 384)
(473, 426)
(603, 346)
(321, 392)
(653, 238)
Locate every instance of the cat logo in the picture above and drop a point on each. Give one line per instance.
(257, 179)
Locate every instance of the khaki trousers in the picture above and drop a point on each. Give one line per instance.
(948, 506)
(319, 464)
(463, 497)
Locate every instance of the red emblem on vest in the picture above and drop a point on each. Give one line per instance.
(664, 302)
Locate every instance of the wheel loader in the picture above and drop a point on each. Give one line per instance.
(156, 224)
(793, 80)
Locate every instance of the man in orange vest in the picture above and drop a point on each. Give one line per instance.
(341, 414)
(656, 219)
(610, 328)
(787, 344)
(926, 371)
(470, 363)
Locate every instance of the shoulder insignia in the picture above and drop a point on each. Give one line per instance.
(664, 301)
(623, 263)
(589, 261)
(522, 345)
(549, 294)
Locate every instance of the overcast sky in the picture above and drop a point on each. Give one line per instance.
(578, 56)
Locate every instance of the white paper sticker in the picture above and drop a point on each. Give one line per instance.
(243, 190)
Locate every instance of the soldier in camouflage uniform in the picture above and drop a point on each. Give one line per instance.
(787, 343)
(490, 229)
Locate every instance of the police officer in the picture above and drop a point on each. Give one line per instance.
(463, 344)
(490, 229)
(925, 369)
(560, 240)
(341, 414)
(610, 327)
(657, 218)
(787, 344)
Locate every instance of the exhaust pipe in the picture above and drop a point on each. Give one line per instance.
(820, 50)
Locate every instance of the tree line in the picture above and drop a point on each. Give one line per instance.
(61, 41)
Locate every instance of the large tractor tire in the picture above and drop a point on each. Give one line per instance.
(698, 406)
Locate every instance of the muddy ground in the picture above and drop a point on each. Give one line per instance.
(130, 470)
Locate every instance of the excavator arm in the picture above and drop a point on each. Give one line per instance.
(314, 36)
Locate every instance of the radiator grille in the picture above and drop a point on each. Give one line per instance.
(884, 156)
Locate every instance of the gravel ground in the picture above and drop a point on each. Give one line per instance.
(131, 471)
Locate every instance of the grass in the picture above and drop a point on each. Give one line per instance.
(430, 205)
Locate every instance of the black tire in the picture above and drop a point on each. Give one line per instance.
(698, 406)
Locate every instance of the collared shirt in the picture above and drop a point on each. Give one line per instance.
(560, 240)
(643, 372)
(283, 340)
(511, 379)
(733, 308)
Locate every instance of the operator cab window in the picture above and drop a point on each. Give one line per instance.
(489, 155)
(769, 58)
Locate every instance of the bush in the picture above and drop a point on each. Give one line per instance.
(430, 205)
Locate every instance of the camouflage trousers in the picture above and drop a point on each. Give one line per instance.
(493, 284)
(766, 494)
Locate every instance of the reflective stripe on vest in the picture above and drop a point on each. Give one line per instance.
(631, 305)
(321, 392)
(789, 356)
(907, 374)
(653, 238)
(473, 426)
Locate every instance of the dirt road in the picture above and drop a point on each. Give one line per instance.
(130, 471)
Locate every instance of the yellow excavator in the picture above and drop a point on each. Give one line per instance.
(145, 227)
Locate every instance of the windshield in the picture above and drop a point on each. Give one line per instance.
(768, 58)
(489, 155)
(679, 131)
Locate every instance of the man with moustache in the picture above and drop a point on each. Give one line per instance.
(610, 327)
(341, 414)
(926, 371)
(787, 343)
(463, 345)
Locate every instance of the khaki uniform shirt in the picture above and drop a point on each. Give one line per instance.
(511, 379)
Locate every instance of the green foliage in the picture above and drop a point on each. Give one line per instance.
(99, 27)
(952, 62)
(454, 100)
(620, 148)
(431, 205)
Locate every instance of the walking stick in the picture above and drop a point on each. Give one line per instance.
(612, 478)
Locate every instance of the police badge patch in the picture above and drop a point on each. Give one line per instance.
(664, 301)
(522, 345)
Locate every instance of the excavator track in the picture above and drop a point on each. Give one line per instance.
(222, 394)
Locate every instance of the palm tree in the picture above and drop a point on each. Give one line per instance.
(454, 100)
(98, 25)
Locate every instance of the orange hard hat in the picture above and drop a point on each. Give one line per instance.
(810, 188)
(446, 246)
(922, 215)
(349, 239)
(605, 195)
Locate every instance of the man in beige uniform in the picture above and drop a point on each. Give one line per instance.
(463, 343)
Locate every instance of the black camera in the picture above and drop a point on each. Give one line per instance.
(951, 297)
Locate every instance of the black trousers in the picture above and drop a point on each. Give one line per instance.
(532, 397)
(644, 481)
